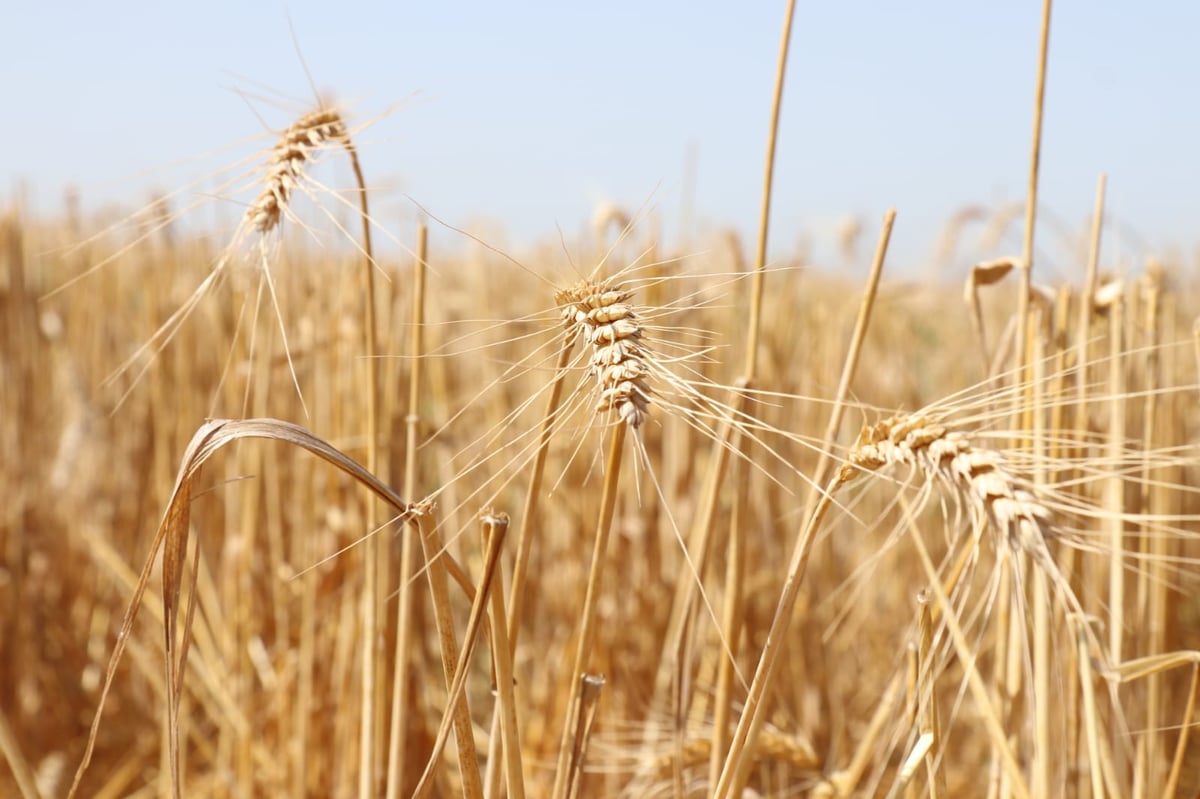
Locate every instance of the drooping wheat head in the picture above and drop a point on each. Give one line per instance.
(980, 475)
(296, 148)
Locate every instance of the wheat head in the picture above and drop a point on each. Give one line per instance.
(979, 475)
(285, 168)
(602, 314)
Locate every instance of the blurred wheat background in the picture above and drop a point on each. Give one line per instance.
(566, 490)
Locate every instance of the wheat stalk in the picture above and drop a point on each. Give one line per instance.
(296, 149)
(600, 312)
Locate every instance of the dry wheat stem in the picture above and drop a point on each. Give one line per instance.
(587, 622)
(731, 618)
(1008, 762)
(816, 499)
(374, 691)
(457, 714)
(533, 493)
(1152, 590)
(1184, 728)
(397, 750)
(285, 173)
(741, 747)
(845, 781)
(589, 702)
(853, 353)
(496, 526)
(11, 749)
(760, 257)
(292, 154)
(525, 538)
(1035, 154)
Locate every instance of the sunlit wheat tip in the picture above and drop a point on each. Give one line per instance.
(603, 316)
(979, 475)
(286, 165)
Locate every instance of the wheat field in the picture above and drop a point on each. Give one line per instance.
(597, 518)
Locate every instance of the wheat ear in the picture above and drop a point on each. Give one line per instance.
(285, 167)
(917, 441)
(979, 475)
(603, 316)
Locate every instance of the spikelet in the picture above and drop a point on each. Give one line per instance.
(285, 168)
(603, 315)
(978, 475)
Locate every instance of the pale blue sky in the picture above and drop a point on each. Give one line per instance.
(529, 113)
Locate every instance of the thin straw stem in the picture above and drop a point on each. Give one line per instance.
(495, 526)
(1035, 156)
(587, 621)
(760, 257)
(741, 750)
(398, 734)
(375, 566)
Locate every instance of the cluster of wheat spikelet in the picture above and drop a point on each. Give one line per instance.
(979, 475)
(603, 315)
(285, 167)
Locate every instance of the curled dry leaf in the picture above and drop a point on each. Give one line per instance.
(988, 272)
(172, 539)
(1108, 294)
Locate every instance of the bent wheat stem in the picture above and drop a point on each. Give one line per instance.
(457, 707)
